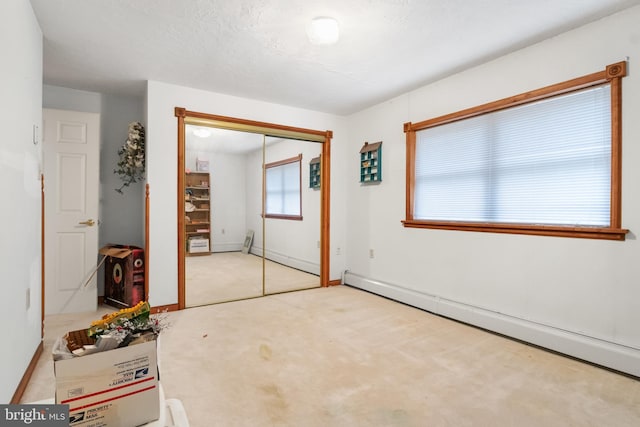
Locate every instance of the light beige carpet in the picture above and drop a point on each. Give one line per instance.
(343, 357)
(229, 276)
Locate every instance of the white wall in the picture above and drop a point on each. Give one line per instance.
(228, 205)
(577, 296)
(254, 198)
(162, 98)
(64, 98)
(20, 168)
(120, 214)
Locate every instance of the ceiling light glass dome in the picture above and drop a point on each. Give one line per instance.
(323, 30)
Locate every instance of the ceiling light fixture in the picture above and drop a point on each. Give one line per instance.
(323, 30)
(202, 132)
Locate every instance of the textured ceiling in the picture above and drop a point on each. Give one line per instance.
(258, 48)
(223, 140)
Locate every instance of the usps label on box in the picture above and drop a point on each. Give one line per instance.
(111, 388)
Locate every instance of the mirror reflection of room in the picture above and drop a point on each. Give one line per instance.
(292, 216)
(226, 234)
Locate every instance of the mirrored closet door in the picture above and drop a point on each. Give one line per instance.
(253, 212)
(216, 225)
(292, 215)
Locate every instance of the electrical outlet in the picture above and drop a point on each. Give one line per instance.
(338, 250)
(371, 254)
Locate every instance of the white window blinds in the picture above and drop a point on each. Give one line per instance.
(545, 162)
(283, 189)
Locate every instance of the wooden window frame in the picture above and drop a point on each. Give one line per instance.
(283, 162)
(613, 75)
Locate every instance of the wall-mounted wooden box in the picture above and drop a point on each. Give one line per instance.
(371, 162)
(314, 173)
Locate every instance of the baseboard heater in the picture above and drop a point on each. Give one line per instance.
(607, 354)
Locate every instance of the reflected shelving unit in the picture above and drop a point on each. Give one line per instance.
(197, 213)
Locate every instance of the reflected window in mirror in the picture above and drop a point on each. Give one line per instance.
(283, 180)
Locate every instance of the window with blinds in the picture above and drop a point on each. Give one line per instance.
(547, 162)
(282, 189)
(549, 165)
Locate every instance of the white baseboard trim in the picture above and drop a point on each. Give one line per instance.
(227, 247)
(611, 355)
(300, 264)
(255, 250)
(289, 261)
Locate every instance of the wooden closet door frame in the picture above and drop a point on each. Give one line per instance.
(185, 117)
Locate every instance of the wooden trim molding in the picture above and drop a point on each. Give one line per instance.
(613, 71)
(42, 260)
(410, 170)
(325, 210)
(616, 71)
(335, 282)
(281, 216)
(22, 386)
(181, 114)
(185, 116)
(263, 204)
(297, 158)
(538, 230)
(613, 75)
(233, 123)
(146, 242)
(169, 307)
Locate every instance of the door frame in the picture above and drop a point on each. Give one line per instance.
(185, 116)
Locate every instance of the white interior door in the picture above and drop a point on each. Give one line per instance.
(71, 178)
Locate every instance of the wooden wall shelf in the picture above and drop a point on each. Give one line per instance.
(371, 162)
(314, 172)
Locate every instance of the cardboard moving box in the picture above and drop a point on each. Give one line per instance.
(198, 245)
(115, 388)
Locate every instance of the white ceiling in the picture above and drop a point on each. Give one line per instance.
(222, 140)
(258, 48)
